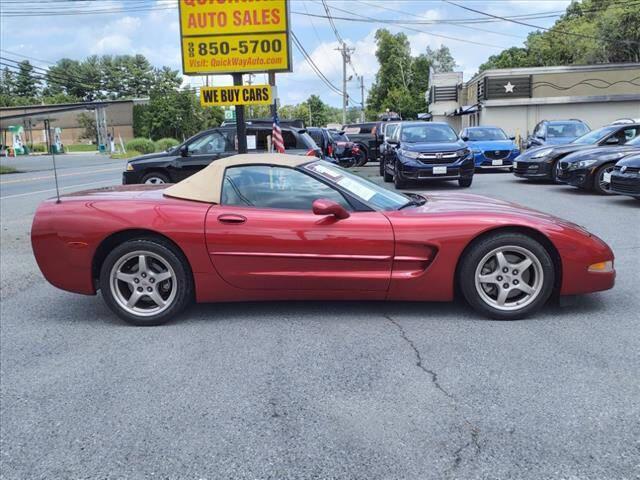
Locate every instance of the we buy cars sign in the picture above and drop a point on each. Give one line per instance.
(234, 36)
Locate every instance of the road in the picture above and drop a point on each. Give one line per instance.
(357, 390)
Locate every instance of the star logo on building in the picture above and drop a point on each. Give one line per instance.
(508, 88)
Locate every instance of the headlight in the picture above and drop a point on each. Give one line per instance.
(129, 167)
(409, 154)
(542, 153)
(463, 152)
(582, 164)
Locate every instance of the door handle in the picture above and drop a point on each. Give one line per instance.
(231, 218)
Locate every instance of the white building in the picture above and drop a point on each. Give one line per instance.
(517, 99)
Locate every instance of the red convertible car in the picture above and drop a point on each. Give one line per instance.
(279, 227)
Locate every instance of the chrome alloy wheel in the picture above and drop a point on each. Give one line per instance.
(509, 278)
(143, 283)
(154, 181)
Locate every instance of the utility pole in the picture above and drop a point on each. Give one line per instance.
(250, 82)
(362, 97)
(346, 58)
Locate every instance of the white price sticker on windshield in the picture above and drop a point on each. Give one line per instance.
(356, 188)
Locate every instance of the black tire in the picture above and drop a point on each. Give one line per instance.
(381, 167)
(477, 252)
(164, 250)
(159, 178)
(386, 176)
(398, 182)
(554, 172)
(363, 157)
(597, 177)
(465, 182)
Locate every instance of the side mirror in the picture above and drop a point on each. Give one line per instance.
(465, 138)
(540, 137)
(184, 151)
(512, 138)
(323, 206)
(612, 141)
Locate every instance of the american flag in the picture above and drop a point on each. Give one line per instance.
(276, 135)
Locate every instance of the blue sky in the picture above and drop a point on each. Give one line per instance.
(156, 35)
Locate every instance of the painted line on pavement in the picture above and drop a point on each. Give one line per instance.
(52, 189)
(23, 180)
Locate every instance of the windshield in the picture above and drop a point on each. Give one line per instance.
(480, 134)
(595, 135)
(568, 129)
(365, 190)
(427, 134)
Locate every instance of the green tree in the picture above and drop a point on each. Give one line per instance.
(27, 84)
(590, 31)
(440, 59)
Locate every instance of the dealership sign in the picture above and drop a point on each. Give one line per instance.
(231, 36)
(242, 95)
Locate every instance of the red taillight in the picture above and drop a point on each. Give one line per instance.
(355, 149)
(311, 153)
(330, 150)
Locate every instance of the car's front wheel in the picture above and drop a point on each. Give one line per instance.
(602, 180)
(146, 281)
(465, 182)
(506, 276)
(155, 178)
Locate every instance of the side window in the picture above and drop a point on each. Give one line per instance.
(210, 143)
(265, 186)
(290, 141)
(262, 137)
(317, 136)
(537, 132)
(629, 134)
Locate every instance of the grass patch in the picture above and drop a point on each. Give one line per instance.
(80, 147)
(4, 169)
(129, 154)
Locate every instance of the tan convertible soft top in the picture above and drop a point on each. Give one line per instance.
(206, 185)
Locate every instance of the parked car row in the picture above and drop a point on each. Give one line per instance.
(593, 161)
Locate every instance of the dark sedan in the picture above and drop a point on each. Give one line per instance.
(591, 169)
(625, 178)
(541, 163)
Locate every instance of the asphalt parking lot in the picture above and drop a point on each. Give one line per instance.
(358, 390)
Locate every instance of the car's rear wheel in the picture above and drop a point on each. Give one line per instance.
(465, 182)
(146, 281)
(602, 180)
(362, 159)
(155, 178)
(507, 276)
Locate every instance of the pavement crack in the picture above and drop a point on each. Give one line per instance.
(419, 362)
(473, 430)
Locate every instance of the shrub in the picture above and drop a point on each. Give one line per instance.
(165, 143)
(38, 148)
(142, 145)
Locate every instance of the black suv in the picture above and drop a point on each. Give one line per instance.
(194, 154)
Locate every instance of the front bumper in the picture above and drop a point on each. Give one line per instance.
(481, 160)
(625, 183)
(419, 171)
(529, 169)
(580, 177)
(131, 177)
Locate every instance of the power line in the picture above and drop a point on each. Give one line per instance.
(313, 65)
(565, 32)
